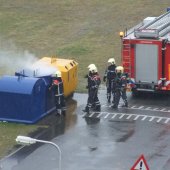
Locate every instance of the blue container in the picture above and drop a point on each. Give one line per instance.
(168, 9)
(46, 77)
(23, 99)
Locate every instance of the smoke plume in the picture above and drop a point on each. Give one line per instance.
(14, 60)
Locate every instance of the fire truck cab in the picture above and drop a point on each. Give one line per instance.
(146, 54)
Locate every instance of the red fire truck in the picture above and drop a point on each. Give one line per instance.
(146, 54)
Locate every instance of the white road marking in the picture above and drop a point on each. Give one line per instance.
(99, 115)
(91, 114)
(129, 116)
(144, 118)
(121, 116)
(107, 115)
(114, 115)
(159, 120)
(167, 120)
(133, 107)
(140, 107)
(148, 108)
(150, 120)
(163, 109)
(84, 114)
(104, 104)
(156, 109)
(136, 117)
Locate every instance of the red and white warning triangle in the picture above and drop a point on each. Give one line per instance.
(140, 164)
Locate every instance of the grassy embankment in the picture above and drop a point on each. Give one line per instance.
(86, 31)
(8, 133)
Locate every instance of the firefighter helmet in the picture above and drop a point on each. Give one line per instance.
(119, 69)
(91, 65)
(93, 69)
(57, 74)
(111, 61)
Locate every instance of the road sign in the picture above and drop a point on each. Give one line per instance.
(140, 164)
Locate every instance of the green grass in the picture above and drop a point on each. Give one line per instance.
(76, 50)
(8, 134)
(87, 31)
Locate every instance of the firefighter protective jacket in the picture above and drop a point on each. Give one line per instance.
(94, 81)
(110, 73)
(57, 86)
(121, 80)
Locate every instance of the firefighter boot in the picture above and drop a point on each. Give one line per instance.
(114, 98)
(86, 109)
(98, 108)
(93, 105)
(58, 112)
(108, 99)
(114, 106)
(113, 101)
(125, 103)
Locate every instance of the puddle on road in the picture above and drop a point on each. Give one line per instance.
(56, 124)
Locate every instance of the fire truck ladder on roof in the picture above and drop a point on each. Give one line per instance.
(127, 57)
(158, 27)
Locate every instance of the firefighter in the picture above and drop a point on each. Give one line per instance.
(93, 85)
(109, 78)
(88, 76)
(57, 87)
(121, 84)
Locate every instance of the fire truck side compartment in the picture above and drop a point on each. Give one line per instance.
(146, 63)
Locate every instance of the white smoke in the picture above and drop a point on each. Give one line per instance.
(43, 69)
(12, 60)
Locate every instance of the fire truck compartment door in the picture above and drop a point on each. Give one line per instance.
(146, 63)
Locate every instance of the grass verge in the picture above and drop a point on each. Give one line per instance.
(8, 134)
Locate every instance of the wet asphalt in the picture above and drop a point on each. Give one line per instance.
(112, 139)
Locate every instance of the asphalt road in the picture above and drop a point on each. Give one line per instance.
(108, 140)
